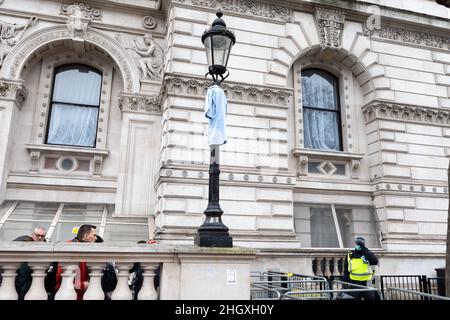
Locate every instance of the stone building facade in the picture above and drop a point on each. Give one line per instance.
(383, 65)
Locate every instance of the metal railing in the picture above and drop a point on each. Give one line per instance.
(413, 283)
(393, 293)
(274, 285)
(436, 286)
(356, 290)
(353, 291)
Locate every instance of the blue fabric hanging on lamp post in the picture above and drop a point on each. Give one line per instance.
(218, 41)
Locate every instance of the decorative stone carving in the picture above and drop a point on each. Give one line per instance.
(98, 161)
(407, 113)
(355, 168)
(246, 7)
(21, 96)
(146, 53)
(174, 84)
(80, 15)
(330, 24)
(302, 169)
(4, 89)
(149, 23)
(14, 90)
(10, 35)
(35, 157)
(410, 36)
(129, 72)
(140, 103)
(81, 10)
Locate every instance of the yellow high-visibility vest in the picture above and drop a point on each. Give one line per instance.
(359, 269)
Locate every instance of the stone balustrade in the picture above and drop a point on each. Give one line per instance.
(328, 265)
(180, 266)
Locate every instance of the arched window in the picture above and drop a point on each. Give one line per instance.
(321, 111)
(74, 106)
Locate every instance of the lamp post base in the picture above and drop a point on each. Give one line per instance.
(213, 239)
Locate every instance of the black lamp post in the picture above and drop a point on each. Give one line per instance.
(218, 41)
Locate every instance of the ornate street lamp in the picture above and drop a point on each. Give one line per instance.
(218, 41)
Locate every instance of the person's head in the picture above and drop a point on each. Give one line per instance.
(39, 234)
(87, 233)
(148, 39)
(360, 242)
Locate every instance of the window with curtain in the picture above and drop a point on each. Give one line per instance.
(333, 226)
(321, 111)
(74, 106)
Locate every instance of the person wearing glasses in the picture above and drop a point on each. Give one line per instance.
(39, 234)
(24, 278)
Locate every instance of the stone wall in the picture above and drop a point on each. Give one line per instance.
(153, 156)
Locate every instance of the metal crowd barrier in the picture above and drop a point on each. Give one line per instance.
(275, 285)
(394, 293)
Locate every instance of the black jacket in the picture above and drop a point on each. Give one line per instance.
(368, 255)
(136, 283)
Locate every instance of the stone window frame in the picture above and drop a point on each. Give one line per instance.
(78, 105)
(38, 147)
(349, 154)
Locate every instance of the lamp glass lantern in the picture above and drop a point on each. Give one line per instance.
(218, 41)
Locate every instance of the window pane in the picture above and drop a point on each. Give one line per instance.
(13, 229)
(73, 125)
(321, 130)
(319, 89)
(77, 84)
(358, 222)
(323, 230)
(125, 232)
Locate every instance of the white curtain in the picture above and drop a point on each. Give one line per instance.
(321, 127)
(74, 114)
(73, 125)
(323, 230)
(78, 85)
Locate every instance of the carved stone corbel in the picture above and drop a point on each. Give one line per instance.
(355, 168)
(14, 91)
(302, 166)
(35, 157)
(98, 165)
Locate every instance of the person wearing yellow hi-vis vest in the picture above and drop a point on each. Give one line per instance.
(357, 268)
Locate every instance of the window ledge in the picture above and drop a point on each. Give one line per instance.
(341, 155)
(66, 149)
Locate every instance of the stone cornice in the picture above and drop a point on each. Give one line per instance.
(250, 7)
(406, 113)
(235, 92)
(410, 36)
(149, 104)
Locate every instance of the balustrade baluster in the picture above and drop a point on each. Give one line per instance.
(7, 288)
(314, 266)
(37, 290)
(323, 265)
(122, 291)
(94, 290)
(331, 266)
(148, 291)
(67, 289)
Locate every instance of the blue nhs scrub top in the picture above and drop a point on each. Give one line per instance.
(216, 110)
